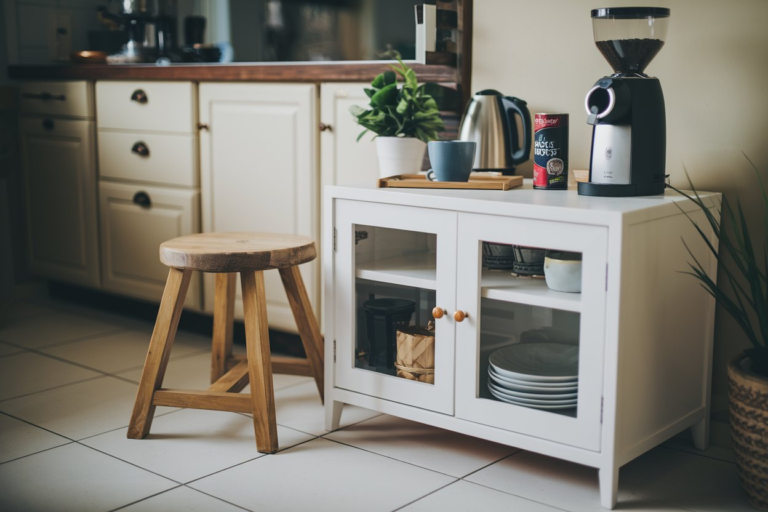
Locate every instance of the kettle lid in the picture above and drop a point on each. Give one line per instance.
(489, 92)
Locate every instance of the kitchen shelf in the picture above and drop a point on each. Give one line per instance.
(417, 270)
(502, 285)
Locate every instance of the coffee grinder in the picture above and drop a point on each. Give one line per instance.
(627, 108)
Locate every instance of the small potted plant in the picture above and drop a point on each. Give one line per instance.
(403, 118)
(744, 296)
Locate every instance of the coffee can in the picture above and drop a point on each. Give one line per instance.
(550, 151)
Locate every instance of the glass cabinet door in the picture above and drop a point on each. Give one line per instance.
(529, 354)
(394, 268)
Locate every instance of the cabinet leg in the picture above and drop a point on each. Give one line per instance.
(609, 487)
(700, 433)
(333, 415)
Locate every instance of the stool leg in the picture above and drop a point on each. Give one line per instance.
(259, 361)
(159, 351)
(306, 322)
(223, 322)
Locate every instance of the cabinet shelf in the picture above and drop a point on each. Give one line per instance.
(501, 285)
(417, 270)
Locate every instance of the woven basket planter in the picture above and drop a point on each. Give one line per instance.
(416, 354)
(749, 428)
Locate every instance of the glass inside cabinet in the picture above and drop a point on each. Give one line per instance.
(530, 327)
(529, 356)
(395, 294)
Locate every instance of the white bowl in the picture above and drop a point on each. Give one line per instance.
(563, 275)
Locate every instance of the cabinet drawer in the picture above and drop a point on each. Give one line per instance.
(135, 220)
(152, 158)
(57, 98)
(146, 106)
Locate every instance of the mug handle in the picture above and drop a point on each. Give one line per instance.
(431, 175)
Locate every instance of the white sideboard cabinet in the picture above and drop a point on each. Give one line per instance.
(643, 330)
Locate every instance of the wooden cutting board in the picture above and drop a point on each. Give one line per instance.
(477, 181)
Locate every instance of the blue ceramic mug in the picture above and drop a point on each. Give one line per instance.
(452, 160)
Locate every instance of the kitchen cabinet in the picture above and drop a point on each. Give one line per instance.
(149, 179)
(135, 220)
(58, 154)
(259, 172)
(345, 160)
(638, 335)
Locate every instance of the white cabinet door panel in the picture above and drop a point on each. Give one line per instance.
(131, 235)
(345, 160)
(504, 311)
(259, 172)
(60, 177)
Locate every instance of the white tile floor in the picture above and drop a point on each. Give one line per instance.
(68, 377)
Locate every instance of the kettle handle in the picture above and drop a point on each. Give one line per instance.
(514, 105)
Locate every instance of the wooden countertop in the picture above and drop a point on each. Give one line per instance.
(246, 72)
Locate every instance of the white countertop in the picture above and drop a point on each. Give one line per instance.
(562, 205)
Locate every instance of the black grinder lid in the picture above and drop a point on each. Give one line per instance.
(389, 306)
(630, 12)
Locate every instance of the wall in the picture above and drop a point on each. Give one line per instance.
(713, 72)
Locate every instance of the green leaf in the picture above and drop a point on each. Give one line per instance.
(357, 111)
(369, 92)
(386, 96)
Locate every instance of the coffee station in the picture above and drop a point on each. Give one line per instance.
(524, 314)
(488, 280)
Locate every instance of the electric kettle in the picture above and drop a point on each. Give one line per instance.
(490, 121)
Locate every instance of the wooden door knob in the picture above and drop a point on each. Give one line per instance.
(438, 313)
(459, 316)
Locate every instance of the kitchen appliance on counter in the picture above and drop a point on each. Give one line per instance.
(491, 120)
(627, 108)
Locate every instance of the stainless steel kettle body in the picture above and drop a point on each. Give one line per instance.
(489, 120)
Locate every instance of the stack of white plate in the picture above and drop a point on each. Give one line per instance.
(536, 375)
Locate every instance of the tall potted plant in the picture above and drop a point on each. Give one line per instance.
(744, 296)
(404, 119)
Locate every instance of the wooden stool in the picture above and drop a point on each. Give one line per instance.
(226, 254)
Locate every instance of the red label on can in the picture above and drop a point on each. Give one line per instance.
(550, 151)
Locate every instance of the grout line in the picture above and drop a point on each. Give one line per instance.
(693, 451)
(52, 388)
(220, 499)
(127, 462)
(260, 456)
(351, 424)
(428, 494)
(37, 452)
(491, 464)
(525, 498)
(144, 499)
(38, 426)
(57, 344)
(62, 360)
(391, 458)
(126, 426)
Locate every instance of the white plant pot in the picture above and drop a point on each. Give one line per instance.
(399, 155)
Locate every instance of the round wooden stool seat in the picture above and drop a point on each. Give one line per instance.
(237, 252)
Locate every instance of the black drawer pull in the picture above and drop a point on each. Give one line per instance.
(142, 199)
(45, 96)
(140, 149)
(48, 124)
(139, 96)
